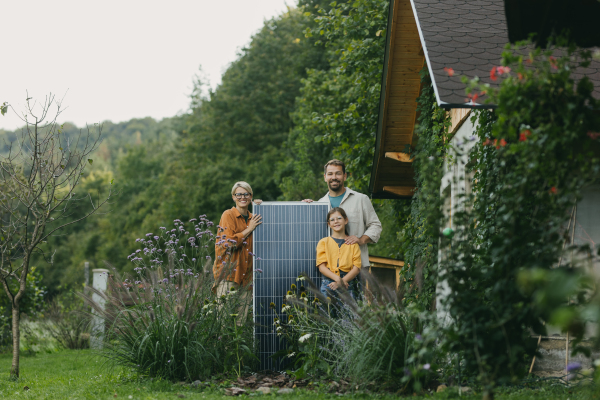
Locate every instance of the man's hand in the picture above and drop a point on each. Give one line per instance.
(353, 239)
(307, 201)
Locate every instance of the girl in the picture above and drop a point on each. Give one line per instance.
(338, 262)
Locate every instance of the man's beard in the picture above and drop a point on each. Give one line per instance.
(338, 183)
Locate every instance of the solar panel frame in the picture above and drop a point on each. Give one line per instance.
(285, 245)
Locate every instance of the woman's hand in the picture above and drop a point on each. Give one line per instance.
(344, 283)
(333, 285)
(255, 221)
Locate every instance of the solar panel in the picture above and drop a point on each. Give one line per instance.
(286, 243)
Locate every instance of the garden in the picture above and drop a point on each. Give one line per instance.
(508, 262)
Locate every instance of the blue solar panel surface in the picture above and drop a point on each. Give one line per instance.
(286, 244)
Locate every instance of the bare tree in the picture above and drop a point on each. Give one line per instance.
(38, 177)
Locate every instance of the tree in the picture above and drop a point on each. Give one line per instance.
(38, 178)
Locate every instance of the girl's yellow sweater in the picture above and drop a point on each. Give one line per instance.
(329, 252)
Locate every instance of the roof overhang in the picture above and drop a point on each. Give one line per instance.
(392, 174)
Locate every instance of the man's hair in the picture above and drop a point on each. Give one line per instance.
(243, 185)
(336, 162)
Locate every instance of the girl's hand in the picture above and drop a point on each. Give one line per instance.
(334, 285)
(255, 221)
(344, 283)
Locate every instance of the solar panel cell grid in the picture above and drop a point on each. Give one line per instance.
(286, 244)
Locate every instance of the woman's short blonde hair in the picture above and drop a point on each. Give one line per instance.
(243, 185)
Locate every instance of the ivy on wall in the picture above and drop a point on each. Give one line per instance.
(422, 214)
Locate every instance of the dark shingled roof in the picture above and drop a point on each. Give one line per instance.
(468, 36)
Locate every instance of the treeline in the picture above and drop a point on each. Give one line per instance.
(304, 90)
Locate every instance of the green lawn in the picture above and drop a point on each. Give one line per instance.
(81, 375)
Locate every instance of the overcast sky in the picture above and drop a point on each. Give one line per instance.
(117, 60)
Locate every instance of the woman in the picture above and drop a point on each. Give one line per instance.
(233, 249)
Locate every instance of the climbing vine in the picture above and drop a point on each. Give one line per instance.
(419, 236)
(535, 153)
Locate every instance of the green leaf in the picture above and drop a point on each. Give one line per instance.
(90, 161)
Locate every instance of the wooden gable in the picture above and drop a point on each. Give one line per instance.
(392, 172)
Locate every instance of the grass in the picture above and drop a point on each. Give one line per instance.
(79, 374)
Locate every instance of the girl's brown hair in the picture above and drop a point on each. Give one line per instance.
(342, 213)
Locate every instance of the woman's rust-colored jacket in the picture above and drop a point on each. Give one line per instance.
(232, 250)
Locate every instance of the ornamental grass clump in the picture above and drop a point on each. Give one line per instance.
(370, 340)
(166, 321)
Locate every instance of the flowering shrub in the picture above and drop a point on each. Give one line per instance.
(534, 156)
(177, 246)
(166, 321)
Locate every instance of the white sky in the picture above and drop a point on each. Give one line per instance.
(118, 60)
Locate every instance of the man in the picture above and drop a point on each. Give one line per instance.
(363, 221)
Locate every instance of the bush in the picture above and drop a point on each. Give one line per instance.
(32, 305)
(167, 322)
(366, 341)
(68, 321)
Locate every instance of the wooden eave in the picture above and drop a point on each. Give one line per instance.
(393, 176)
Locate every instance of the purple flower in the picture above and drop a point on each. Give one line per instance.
(258, 258)
(165, 280)
(156, 237)
(258, 270)
(574, 366)
(208, 257)
(168, 361)
(193, 259)
(418, 337)
(427, 366)
(473, 138)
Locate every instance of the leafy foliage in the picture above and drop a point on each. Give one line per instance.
(533, 158)
(421, 217)
(337, 111)
(32, 304)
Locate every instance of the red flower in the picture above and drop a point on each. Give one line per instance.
(524, 135)
(553, 190)
(502, 142)
(487, 142)
(520, 75)
(503, 70)
(493, 75)
(553, 62)
(449, 71)
(593, 135)
(472, 97)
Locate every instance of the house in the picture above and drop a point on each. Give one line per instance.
(468, 36)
